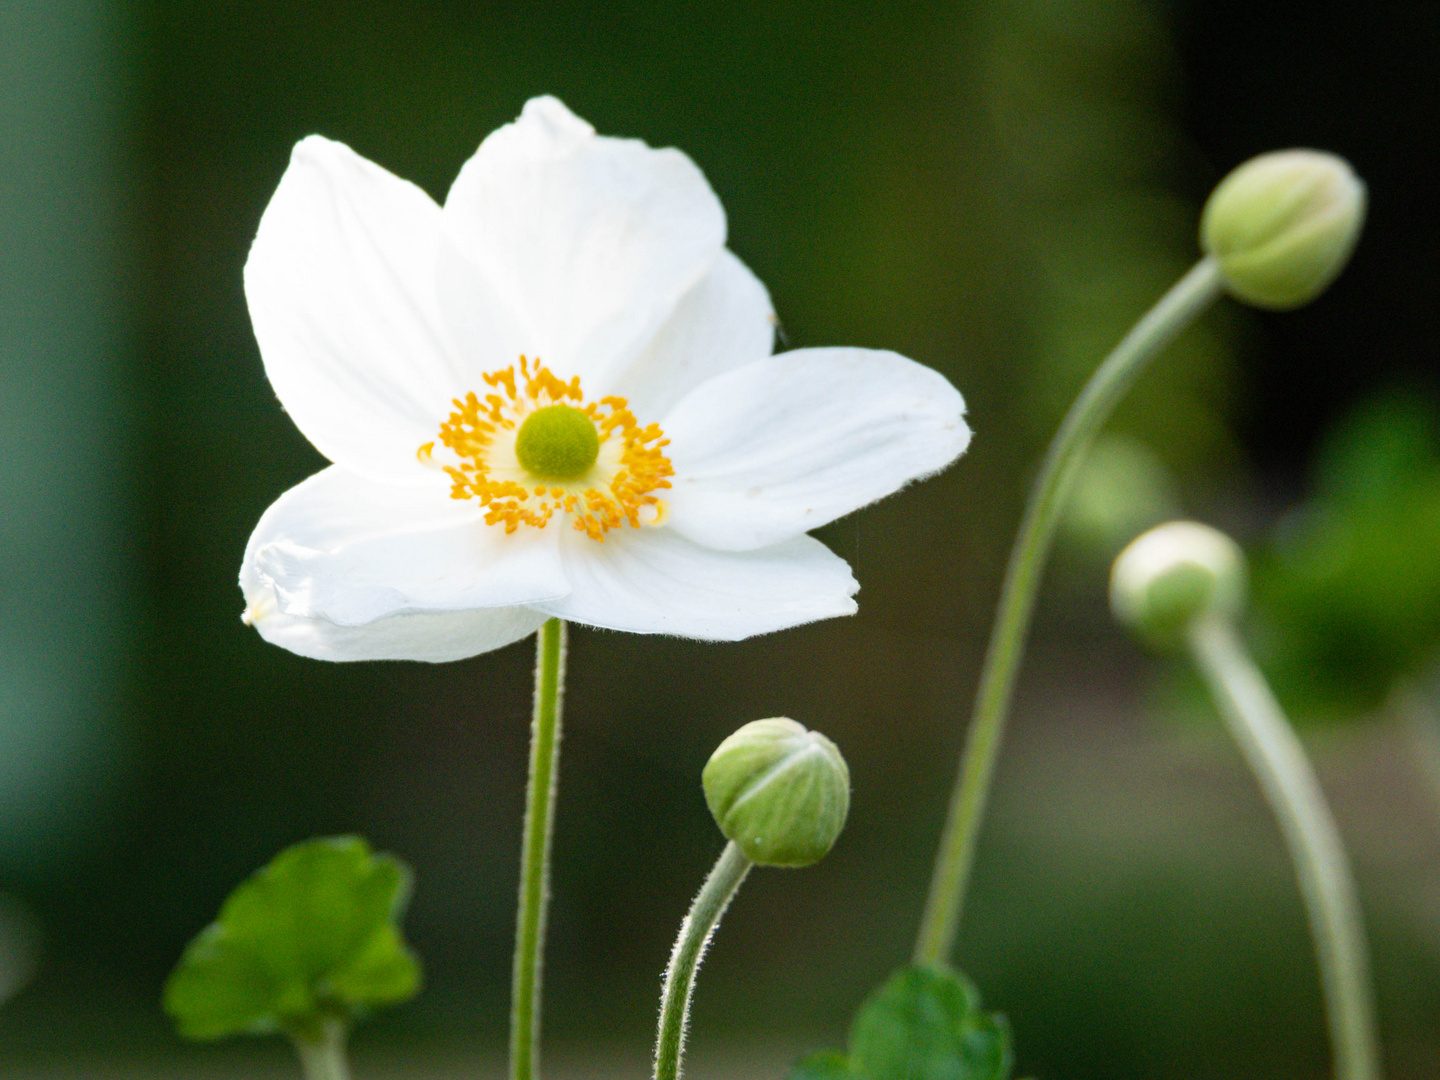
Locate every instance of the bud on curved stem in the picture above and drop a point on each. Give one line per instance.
(1172, 575)
(1283, 226)
(780, 795)
(778, 791)
(1184, 583)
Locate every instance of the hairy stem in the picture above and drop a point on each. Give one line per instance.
(535, 852)
(955, 858)
(715, 895)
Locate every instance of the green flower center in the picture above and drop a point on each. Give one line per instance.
(558, 442)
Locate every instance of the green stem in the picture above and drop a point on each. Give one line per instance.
(715, 895)
(1279, 763)
(324, 1058)
(955, 858)
(535, 852)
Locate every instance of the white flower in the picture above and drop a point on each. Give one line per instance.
(553, 397)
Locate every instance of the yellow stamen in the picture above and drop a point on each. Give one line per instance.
(619, 488)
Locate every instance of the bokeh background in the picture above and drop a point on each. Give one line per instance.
(993, 187)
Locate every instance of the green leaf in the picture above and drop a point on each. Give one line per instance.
(924, 1023)
(312, 936)
(1346, 589)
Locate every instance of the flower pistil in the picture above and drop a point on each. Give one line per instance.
(534, 447)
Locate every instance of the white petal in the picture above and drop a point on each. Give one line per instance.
(486, 331)
(437, 638)
(590, 241)
(776, 448)
(341, 287)
(724, 322)
(349, 551)
(652, 581)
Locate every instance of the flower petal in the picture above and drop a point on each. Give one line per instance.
(349, 551)
(778, 447)
(437, 638)
(486, 331)
(591, 241)
(725, 321)
(341, 288)
(655, 582)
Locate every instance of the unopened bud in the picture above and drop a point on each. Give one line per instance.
(780, 792)
(1174, 574)
(1283, 226)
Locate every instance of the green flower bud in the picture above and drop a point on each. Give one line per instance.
(1283, 226)
(780, 792)
(1174, 574)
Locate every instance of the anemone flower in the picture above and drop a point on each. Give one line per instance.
(553, 397)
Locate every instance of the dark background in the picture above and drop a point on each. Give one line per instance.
(1259, 76)
(994, 188)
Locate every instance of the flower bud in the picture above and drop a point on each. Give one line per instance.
(780, 792)
(1174, 574)
(1283, 225)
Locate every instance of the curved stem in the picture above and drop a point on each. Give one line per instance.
(956, 856)
(535, 852)
(715, 895)
(324, 1058)
(1279, 763)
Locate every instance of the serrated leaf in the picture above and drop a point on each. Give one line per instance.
(312, 936)
(924, 1023)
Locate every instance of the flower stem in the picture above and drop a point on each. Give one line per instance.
(324, 1058)
(535, 852)
(695, 932)
(955, 858)
(1279, 763)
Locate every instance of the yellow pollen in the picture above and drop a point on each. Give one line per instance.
(618, 489)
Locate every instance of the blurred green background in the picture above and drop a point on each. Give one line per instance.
(993, 187)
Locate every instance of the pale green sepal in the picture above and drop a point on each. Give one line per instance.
(310, 938)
